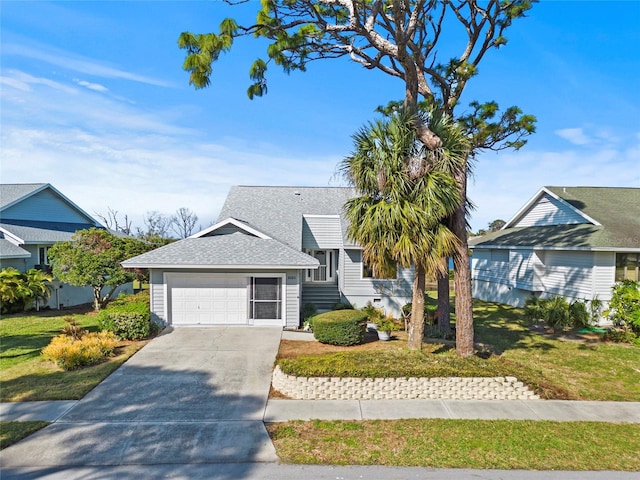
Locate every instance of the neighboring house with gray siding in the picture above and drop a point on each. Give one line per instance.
(33, 217)
(576, 242)
(273, 250)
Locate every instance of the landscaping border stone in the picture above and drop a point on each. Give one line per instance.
(453, 388)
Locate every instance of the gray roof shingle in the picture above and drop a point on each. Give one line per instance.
(44, 232)
(278, 211)
(10, 250)
(11, 192)
(235, 250)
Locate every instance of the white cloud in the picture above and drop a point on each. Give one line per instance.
(91, 86)
(76, 63)
(574, 135)
(103, 153)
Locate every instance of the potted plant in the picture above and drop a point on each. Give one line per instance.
(374, 315)
(385, 327)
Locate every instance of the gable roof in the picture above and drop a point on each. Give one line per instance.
(12, 194)
(232, 251)
(610, 221)
(278, 211)
(37, 213)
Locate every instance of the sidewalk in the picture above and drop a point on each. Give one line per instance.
(278, 410)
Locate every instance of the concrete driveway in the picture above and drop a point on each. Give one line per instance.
(192, 395)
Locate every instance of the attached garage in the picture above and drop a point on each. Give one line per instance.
(229, 274)
(207, 299)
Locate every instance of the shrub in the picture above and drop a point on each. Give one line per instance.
(129, 320)
(372, 314)
(533, 310)
(579, 314)
(71, 354)
(557, 312)
(388, 324)
(622, 335)
(73, 329)
(624, 307)
(340, 327)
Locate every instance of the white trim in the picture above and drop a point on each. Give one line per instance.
(534, 200)
(319, 216)
(232, 221)
(14, 238)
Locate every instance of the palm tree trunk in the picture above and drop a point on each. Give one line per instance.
(416, 325)
(444, 305)
(462, 280)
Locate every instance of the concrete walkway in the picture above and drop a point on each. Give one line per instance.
(278, 410)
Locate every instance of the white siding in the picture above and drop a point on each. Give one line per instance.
(490, 265)
(293, 299)
(322, 231)
(521, 270)
(604, 271)
(549, 211)
(45, 206)
(157, 297)
(568, 273)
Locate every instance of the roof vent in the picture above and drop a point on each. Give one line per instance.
(296, 193)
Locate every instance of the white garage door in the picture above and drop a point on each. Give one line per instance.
(207, 300)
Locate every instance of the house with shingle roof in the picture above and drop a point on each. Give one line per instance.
(576, 242)
(273, 250)
(33, 217)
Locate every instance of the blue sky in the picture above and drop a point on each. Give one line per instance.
(94, 101)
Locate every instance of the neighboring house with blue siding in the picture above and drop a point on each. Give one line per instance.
(576, 242)
(33, 217)
(273, 250)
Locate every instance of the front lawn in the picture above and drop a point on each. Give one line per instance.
(26, 376)
(481, 444)
(574, 368)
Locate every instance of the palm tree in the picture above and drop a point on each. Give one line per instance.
(38, 283)
(13, 291)
(406, 191)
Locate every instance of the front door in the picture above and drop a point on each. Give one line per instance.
(326, 270)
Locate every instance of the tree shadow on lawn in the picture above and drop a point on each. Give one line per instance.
(500, 327)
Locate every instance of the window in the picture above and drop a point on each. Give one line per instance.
(499, 255)
(265, 300)
(43, 258)
(370, 272)
(627, 266)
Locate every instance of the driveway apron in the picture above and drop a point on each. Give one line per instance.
(192, 395)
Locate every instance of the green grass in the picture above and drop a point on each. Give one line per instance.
(479, 444)
(12, 432)
(26, 376)
(554, 368)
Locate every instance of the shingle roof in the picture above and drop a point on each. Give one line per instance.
(235, 250)
(10, 250)
(11, 192)
(44, 232)
(616, 209)
(278, 211)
